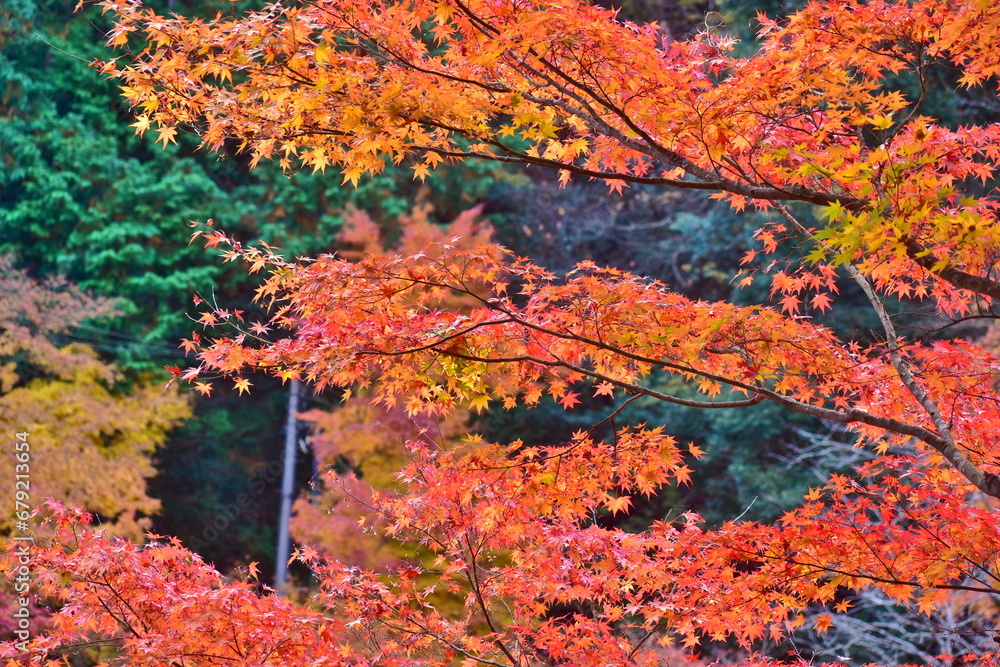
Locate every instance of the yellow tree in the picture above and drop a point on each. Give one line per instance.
(91, 445)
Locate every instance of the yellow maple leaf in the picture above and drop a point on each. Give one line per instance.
(141, 125)
(480, 402)
(421, 171)
(318, 160)
(166, 135)
(881, 122)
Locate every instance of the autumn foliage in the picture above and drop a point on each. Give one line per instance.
(358, 446)
(93, 440)
(861, 189)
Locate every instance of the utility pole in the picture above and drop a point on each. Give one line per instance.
(287, 489)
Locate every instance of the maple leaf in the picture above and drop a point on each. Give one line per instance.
(243, 385)
(214, 238)
(569, 400)
(142, 124)
(822, 302)
(822, 623)
(257, 265)
(421, 171)
(619, 504)
(479, 403)
(604, 389)
(166, 135)
(790, 304)
(208, 319)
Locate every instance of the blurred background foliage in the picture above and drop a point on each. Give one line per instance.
(81, 197)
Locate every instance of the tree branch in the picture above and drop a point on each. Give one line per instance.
(944, 443)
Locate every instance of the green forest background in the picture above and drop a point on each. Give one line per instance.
(82, 198)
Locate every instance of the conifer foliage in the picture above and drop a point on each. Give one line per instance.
(863, 190)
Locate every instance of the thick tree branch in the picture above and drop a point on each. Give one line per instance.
(960, 279)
